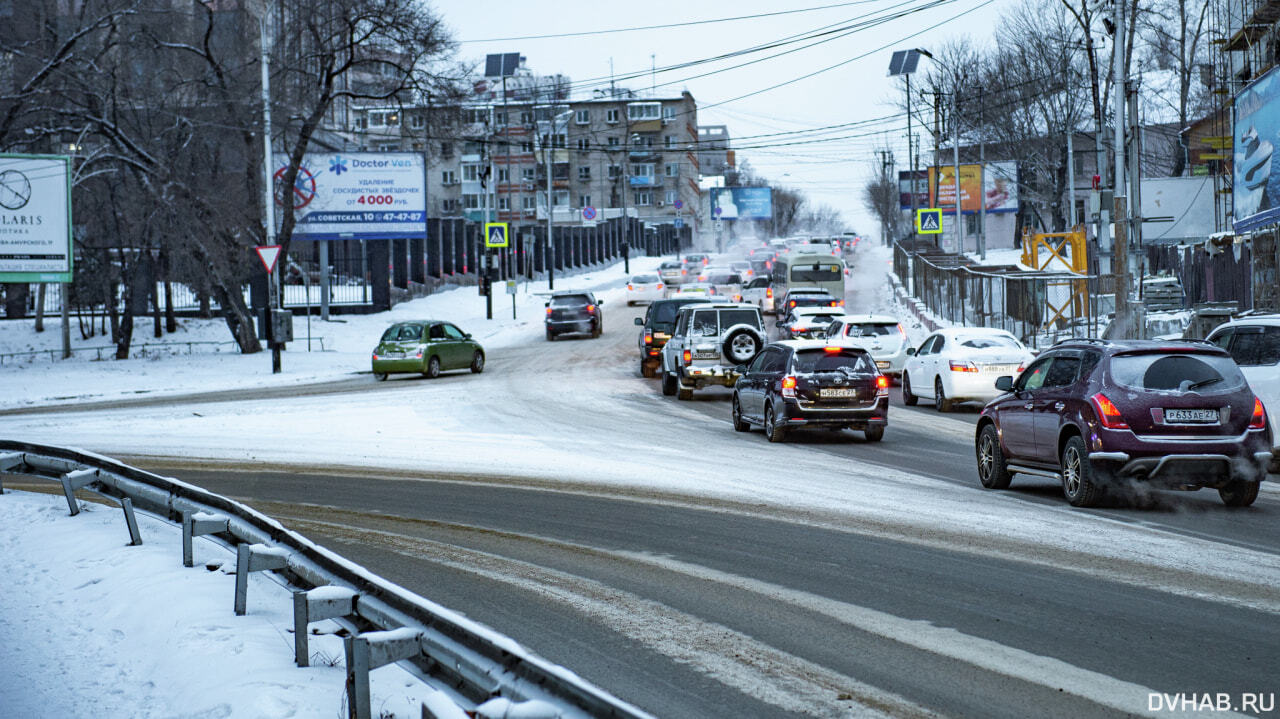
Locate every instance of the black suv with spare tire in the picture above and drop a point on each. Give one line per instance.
(709, 342)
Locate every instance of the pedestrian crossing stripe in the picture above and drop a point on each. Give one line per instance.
(495, 234)
(929, 221)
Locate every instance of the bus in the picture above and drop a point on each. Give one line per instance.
(814, 270)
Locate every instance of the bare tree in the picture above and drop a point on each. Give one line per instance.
(1174, 31)
(881, 198)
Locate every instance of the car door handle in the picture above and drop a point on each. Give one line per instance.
(1058, 406)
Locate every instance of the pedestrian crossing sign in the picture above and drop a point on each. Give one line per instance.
(495, 234)
(929, 221)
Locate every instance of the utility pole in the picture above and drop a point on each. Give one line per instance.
(911, 165)
(1071, 178)
(546, 163)
(1120, 259)
(268, 194)
(955, 131)
(936, 195)
(1135, 170)
(982, 178)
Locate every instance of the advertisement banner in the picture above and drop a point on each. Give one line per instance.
(742, 203)
(999, 188)
(1256, 186)
(357, 196)
(35, 218)
(921, 189)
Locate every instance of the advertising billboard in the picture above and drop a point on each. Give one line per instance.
(357, 196)
(742, 203)
(1256, 185)
(999, 188)
(35, 218)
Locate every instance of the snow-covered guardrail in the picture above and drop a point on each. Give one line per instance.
(390, 623)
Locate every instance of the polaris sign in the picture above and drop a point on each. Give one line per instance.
(356, 196)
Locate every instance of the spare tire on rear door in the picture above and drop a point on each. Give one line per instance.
(741, 343)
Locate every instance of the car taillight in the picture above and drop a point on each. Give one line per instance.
(962, 366)
(768, 292)
(1259, 418)
(375, 357)
(831, 349)
(629, 287)
(548, 311)
(684, 272)
(789, 387)
(659, 285)
(419, 355)
(591, 309)
(792, 303)
(882, 386)
(1108, 413)
(648, 338)
(687, 356)
(902, 332)
(1021, 366)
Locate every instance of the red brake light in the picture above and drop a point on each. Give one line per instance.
(375, 357)
(1108, 413)
(768, 292)
(688, 357)
(648, 338)
(548, 310)
(793, 303)
(659, 285)
(789, 387)
(902, 332)
(831, 349)
(962, 366)
(1259, 418)
(591, 309)
(684, 272)
(882, 382)
(630, 287)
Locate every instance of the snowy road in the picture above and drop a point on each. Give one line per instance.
(698, 572)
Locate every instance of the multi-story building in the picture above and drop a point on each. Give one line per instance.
(714, 154)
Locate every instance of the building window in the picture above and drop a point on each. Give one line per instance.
(362, 123)
(504, 203)
(611, 116)
(529, 202)
(668, 113)
(449, 206)
(615, 141)
(526, 146)
(477, 116)
(669, 140)
(470, 173)
(384, 118)
(446, 149)
(673, 169)
(584, 172)
(584, 144)
(671, 197)
(558, 140)
(642, 170)
(417, 122)
(526, 117)
(644, 199)
(471, 202)
(582, 117)
(504, 174)
(387, 147)
(448, 177)
(642, 111)
(499, 118)
(584, 200)
(560, 198)
(615, 171)
(528, 174)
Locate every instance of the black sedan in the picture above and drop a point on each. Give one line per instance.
(797, 383)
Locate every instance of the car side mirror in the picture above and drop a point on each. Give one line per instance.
(1004, 383)
(599, 303)
(546, 304)
(466, 335)
(780, 323)
(911, 351)
(639, 322)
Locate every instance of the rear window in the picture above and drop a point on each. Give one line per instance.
(869, 329)
(725, 279)
(812, 300)
(670, 266)
(644, 279)
(820, 360)
(817, 319)
(729, 318)
(664, 313)
(1176, 372)
(815, 273)
(985, 341)
(570, 301)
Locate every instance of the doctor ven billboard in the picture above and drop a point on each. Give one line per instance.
(357, 196)
(742, 203)
(999, 188)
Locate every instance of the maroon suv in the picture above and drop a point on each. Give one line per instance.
(1174, 415)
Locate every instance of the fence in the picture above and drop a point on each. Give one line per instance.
(1038, 307)
(390, 623)
(361, 273)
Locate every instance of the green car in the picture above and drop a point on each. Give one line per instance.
(425, 347)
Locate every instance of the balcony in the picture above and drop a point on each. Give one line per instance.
(644, 181)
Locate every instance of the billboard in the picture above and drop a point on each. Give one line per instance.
(357, 196)
(999, 188)
(742, 203)
(1256, 177)
(921, 189)
(35, 218)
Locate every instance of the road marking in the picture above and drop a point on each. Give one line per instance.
(730, 657)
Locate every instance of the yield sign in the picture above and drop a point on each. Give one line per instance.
(269, 254)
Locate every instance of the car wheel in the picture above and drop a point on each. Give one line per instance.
(741, 345)
(773, 431)
(908, 399)
(940, 401)
(477, 362)
(739, 424)
(596, 332)
(380, 376)
(1079, 481)
(874, 433)
(993, 471)
(683, 393)
(550, 336)
(433, 368)
(668, 384)
(1239, 493)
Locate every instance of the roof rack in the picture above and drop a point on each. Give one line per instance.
(1090, 340)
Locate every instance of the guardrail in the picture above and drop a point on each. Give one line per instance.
(139, 351)
(391, 624)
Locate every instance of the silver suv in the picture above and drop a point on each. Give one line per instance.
(709, 343)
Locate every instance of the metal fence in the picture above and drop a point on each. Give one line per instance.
(389, 624)
(1038, 307)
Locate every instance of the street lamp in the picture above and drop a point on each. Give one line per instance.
(955, 122)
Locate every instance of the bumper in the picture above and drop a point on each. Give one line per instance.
(1185, 471)
(701, 376)
(582, 325)
(796, 415)
(388, 366)
(972, 386)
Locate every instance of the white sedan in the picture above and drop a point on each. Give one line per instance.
(961, 364)
(881, 335)
(806, 322)
(645, 288)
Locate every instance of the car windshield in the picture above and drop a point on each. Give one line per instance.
(870, 329)
(729, 318)
(570, 301)
(812, 300)
(982, 342)
(1176, 372)
(815, 273)
(704, 324)
(822, 360)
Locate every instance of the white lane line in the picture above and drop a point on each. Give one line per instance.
(731, 658)
(982, 653)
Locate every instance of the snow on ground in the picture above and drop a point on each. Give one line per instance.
(348, 340)
(95, 628)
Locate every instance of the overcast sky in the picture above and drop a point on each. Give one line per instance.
(829, 172)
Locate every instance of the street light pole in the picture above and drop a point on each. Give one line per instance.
(955, 132)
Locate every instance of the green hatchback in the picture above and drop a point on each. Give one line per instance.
(425, 347)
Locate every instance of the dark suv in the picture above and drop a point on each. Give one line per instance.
(658, 323)
(797, 383)
(1093, 413)
(569, 312)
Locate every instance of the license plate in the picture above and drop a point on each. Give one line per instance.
(837, 393)
(706, 355)
(881, 364)
(395, 355)
(1191, 415)
(1002, 368)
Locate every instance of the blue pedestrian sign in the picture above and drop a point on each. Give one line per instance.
(929, 221)
(495, 234)
(679, 222)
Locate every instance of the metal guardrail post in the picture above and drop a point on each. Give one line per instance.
(135, 539)
(8, 461)
(313, 606)
(255, 558)
(194, 525)
(71, 481)
(369, 651)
